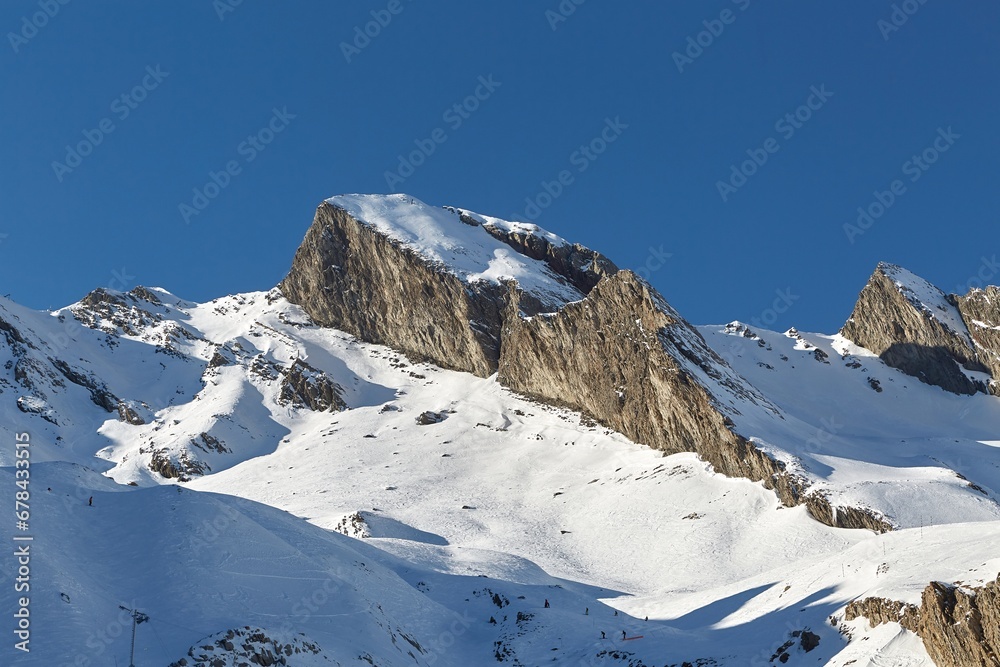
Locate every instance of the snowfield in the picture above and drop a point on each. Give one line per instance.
(387, 538)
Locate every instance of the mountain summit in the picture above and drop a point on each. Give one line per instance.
(917, 328)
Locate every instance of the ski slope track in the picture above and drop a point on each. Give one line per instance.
(271, 489)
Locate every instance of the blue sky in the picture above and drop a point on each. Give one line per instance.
(648, 112)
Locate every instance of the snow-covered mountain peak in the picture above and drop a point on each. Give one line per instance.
(445, 237)
(925, 296)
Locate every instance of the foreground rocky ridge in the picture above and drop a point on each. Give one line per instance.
(959, 626)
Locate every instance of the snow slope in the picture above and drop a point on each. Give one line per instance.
(867, 434)
(498, 505)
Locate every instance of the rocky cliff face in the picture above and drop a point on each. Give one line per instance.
(915, 327)
(959, 626)
(349, 276)
(431, 282)
(625, 357)
(980, 309)
(879, 611)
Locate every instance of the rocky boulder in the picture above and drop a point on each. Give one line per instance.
(306, 387)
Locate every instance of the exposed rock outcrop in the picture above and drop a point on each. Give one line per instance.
(252, 646)
(846, 517)
(980, 309)
(580, 265)
(959, 626)
(307, 387)
(131, 412)
(350, 276)
(882, 610)
(181, 469)
(915, 327)
(114, 312)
